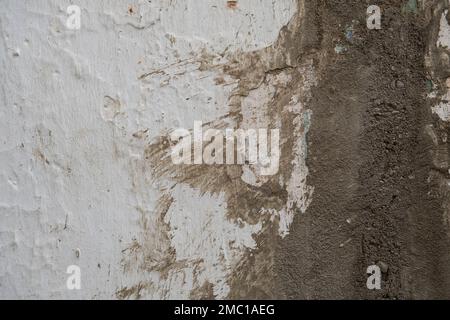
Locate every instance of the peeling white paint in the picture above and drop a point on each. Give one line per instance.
(443, 109)
(299, 193)
(444, 32)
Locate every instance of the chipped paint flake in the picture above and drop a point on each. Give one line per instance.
(444, 32)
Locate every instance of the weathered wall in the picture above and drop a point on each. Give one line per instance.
(85, 176)
(78, 109)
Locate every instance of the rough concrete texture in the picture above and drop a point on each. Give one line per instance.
(86, 176)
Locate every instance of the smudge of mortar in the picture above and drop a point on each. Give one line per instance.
(134, 292)
(204, 292)
(232, 4)
(150, 252)
(273, 90)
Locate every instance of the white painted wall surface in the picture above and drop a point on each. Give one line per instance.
(73, 114)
